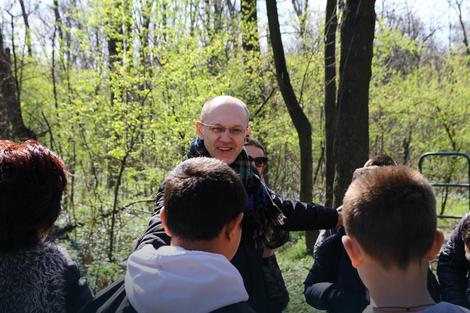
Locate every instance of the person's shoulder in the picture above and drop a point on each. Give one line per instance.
(240, 307)
(446, 307)
(330, 237)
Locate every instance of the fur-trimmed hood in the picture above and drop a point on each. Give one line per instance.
(32, 280)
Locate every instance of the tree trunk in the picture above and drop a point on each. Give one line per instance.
(250, 36)
(331, 23)
(301, 10)
(462, 25)
(11, 121)
(27, 30)
(351, 148)
(298, 117)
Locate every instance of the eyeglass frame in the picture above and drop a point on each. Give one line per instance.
(262, 160)
(223, 129)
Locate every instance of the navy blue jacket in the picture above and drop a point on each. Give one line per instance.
(333, 284)
(453, 270)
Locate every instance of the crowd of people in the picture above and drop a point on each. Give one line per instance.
(210, 244)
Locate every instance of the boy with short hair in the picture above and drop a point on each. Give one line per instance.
(391, 235)
(202, 213)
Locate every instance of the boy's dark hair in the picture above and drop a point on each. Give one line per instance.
(392, 214)
(372, 163)
(380, 160)
(465, 230)
(32, 179)
(202, 195)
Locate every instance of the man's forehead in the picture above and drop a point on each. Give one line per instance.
(225, 112)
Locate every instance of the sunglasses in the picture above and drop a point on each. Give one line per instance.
(259, 161)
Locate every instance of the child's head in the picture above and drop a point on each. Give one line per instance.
(32, 179)
(465, 234)
(203, 198)
(372, 163)
(380, 160)
(390, 213)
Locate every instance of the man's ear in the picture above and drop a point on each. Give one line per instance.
(199, 130)
(354, 250)
(232, 227)
(247, 132)
(436, 245)
(164, 223)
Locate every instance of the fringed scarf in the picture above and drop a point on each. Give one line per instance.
(260, 209)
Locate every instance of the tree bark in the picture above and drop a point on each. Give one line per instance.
(462, 25)
(300, 8)
(11, 121)
(331, 23)
(249, 15)
(298, 117)
(351, 148)
(27, 30)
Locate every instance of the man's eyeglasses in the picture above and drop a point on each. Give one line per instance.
(219, 130)
(259, 161)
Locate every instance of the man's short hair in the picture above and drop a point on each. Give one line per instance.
(391, 212)
(465, 230)
(32, 179)
(380, 160)
(222, 99)
(202, 195)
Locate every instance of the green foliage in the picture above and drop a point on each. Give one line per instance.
(120, 122)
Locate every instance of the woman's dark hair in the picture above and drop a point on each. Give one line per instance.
(32, 179)
(253, 142)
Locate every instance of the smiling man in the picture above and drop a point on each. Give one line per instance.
(223, 127)
(221, 132)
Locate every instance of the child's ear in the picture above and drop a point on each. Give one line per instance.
(436, 246)
(232, 228)
(163, 219)
(354, 250)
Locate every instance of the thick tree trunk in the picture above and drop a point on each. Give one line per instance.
(11, 121)
(351, 146)
(331, 23)
(298, 117)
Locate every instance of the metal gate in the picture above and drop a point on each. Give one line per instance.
(451, 185)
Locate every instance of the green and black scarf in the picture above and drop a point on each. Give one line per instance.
(261, 211)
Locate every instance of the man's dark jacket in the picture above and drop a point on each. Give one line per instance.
(453, 269)
(333, 284)
(248, 259)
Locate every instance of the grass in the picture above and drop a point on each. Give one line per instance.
(295, 264)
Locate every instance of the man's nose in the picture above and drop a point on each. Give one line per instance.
(225, 136)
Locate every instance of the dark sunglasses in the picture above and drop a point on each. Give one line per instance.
(259, 161)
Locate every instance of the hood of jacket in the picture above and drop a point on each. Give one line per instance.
(173, 280)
